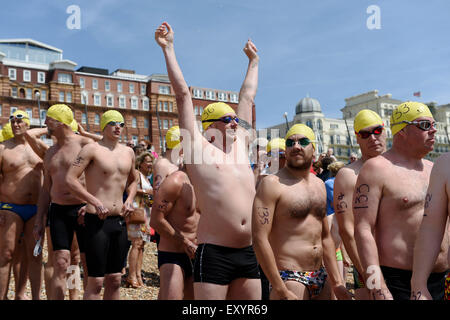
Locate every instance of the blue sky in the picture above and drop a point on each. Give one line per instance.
(321, 48)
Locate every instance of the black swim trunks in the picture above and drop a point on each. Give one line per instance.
(221, 265)
(179, 258)
(106, 244)
(398, 282)
(63, 223)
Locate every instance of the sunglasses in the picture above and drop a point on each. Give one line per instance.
(17, 117)
(303, 142)
(281, 154)
(114, 123)
(226, 119)
(424, 125)
(365, 134)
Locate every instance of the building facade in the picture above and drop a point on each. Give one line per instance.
(34, 76)
(339, 134)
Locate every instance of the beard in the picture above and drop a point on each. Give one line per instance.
(299, 165)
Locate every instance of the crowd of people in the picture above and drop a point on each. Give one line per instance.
(278, 225)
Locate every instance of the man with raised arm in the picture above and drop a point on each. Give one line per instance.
(371, 138)
(433, 229)
(290, 229)
(225, 264)
(107, 166)
(388, 206)
(20, 184)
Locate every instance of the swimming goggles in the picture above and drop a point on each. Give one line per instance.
(424, 125)
(226, 119)
(303, 142)
(365, 134)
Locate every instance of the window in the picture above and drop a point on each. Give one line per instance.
(234, 97)
(222, 96)
(61, 96)
(107, 85)
(122, 102)
(195, 110)
(12, 73)
(198, 93)
(0, 109)
(309, 123)
(170, 123)
(29, 93)
(109, 101)
(69, 97)
(319, 124)
(143, 89)
(82, 83)
(131, 87)
(166, 106)
(12, 110)
(84, 97)
(64, 78)
(27, 75)
(41, 77)
(145, 104)
(97, 99)
(210, 95)
(97, 119)
(134, 122)
(146, 123)
(14, 92)
(44, 95)
(170, 106)
(30, 113)
(200, 110)
(334, 126)
(83, 118)
(331, 139)
(160, 106)
(134, 103)
(164, 89)
(119, 86)
(165, 124)
(338, 139)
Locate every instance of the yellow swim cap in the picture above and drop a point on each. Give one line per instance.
(215, 111)
(61, 113)
(173, 137)
(74, 125)
(277, 143)
(408, 111)
(366, 118)
(25, 118)
(300, 128)
(6, 132)
(110, 115)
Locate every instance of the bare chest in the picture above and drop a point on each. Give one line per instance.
(20, 158)
(110, 163)
(297, 203)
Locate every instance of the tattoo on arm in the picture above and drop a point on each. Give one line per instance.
(263, 214)
(362, 198)
(428, 200)
(416, 295)
(77, 162)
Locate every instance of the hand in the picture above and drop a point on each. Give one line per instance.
(101, 211)
(420, 294)
(164, 35)
(190, 248)
(81, 213)
(81, 129)
(127, 208)
(381, 294)
(250, 50)
(38, 230)
(341, 293)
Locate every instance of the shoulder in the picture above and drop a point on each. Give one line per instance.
(84, 140)
(441, 164)
(377, 165)
(270, 182)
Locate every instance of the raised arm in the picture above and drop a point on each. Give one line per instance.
(33, 138)
(81, 162)
(432, 228)
(164, 201)
(249, 86)
(342, 201)
(366, 198)
(264, 205)
(164, 36)
(84, 133)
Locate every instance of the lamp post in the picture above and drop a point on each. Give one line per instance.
(159, 129)
(287, 123)
(38, 96)
(85, 110)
